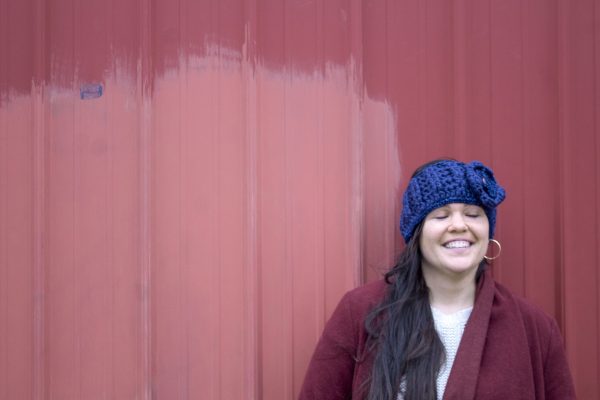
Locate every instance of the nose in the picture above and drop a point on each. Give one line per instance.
(457, 222)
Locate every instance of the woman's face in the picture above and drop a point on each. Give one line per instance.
(454, 240)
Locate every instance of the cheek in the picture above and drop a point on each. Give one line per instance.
(484, 233)
(486, 229)
(481, 229)
(431, 235)
(484, 236)
(427, 248)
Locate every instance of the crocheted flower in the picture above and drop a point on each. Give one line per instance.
(483, 185)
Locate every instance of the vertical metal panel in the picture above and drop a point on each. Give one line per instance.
(16, 203)
(578, 35)
(187, 233)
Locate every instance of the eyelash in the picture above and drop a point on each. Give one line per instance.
(441, 217)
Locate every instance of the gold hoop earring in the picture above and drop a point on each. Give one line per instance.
(499, 251)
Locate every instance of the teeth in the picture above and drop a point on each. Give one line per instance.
(457, 244)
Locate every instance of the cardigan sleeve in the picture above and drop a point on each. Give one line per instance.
(331, 369)
(557, 378)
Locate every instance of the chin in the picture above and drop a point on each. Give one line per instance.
(461, 269)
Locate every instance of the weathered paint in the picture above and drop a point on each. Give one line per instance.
(186, 232)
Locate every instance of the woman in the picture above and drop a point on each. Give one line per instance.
(438, 326)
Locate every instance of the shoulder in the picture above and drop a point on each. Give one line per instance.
(369, 291)
(363, 298)
(538, 324)
(344, 330)
(356, 304)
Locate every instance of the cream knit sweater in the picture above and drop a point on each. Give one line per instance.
(450, 328)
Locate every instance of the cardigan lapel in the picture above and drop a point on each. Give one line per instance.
(462, 381)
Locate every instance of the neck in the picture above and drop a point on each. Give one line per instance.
(450, 294)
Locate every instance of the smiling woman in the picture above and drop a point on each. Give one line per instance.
(438, 326)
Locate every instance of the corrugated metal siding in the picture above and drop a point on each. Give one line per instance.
(187, 233)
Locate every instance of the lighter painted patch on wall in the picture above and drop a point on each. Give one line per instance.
(219, 217)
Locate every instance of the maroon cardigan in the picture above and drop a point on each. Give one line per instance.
(510, 349)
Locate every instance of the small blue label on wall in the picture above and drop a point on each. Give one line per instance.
(90, 91)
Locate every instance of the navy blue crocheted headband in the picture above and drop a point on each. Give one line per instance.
(445, 182)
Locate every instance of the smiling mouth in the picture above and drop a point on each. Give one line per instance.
(457, 244)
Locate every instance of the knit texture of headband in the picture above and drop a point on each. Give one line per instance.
(446, 182)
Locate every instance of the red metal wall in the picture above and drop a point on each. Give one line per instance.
(187, 233)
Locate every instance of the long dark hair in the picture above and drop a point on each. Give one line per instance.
(401, 332)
